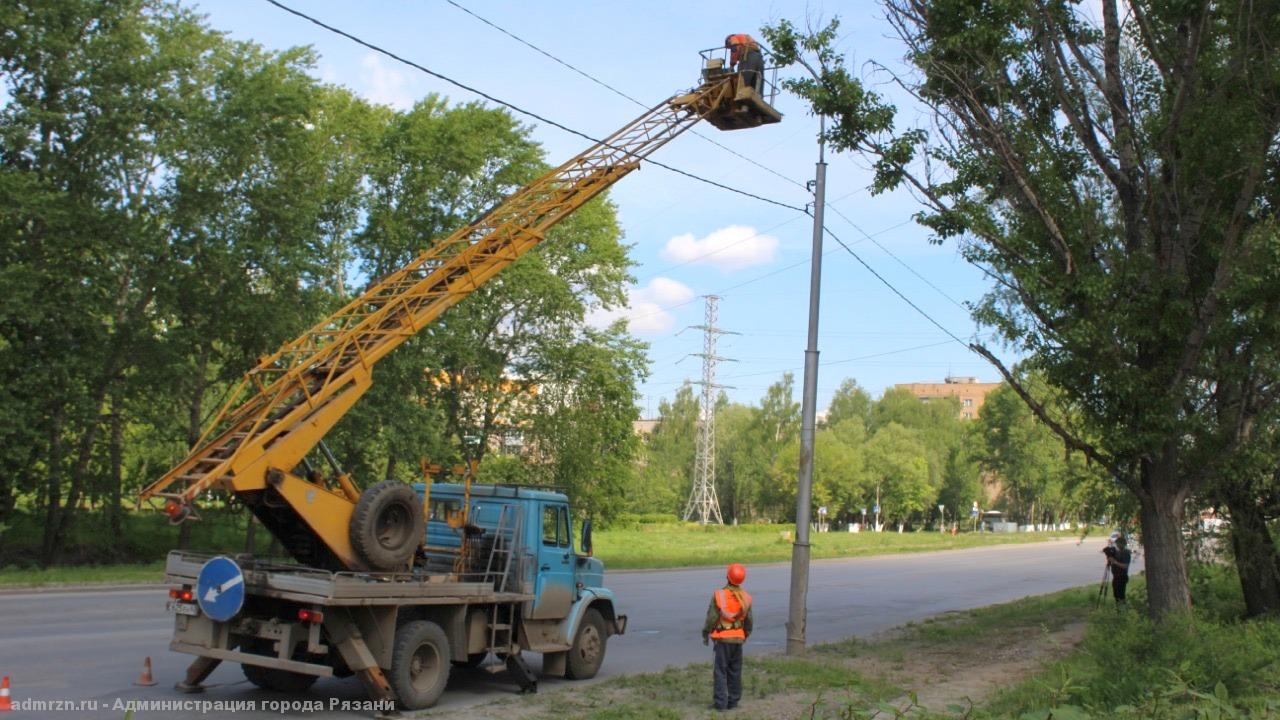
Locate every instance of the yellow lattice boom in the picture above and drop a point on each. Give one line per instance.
(284, 407)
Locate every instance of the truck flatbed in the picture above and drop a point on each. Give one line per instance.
(301, 584)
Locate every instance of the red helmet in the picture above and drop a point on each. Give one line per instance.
(736, 574)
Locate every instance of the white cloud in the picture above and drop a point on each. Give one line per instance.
(384, 84)
(647, 307)
(729, 248)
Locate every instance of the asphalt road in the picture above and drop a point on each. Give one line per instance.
(88, 646)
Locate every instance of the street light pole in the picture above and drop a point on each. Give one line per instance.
(798, 612)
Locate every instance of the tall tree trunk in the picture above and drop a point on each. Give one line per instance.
(115, 514)
(53, 491)
(1257, 561)
(195, 414)
(1161, 499)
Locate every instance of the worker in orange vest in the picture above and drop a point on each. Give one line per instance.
(745, 57)
(729, 624)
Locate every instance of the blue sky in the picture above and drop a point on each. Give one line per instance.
(760, 263)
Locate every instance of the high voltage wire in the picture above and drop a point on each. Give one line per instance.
(895, 290)
(516, 108)
(900, 261)
(614, 90)
(842, 361)
(758, 278)
(733, 244)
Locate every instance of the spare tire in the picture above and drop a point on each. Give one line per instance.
(387, 526)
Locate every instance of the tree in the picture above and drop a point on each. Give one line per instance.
(666, 474)
(962, 481)
(736, 485)
(936, 422)
(478, 371)
(899, 472)
(776, 425)
(1109, 177)
(839, 479)
(150, 169)
(849, 401)
(583, 417)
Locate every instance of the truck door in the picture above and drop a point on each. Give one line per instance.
(554, 586)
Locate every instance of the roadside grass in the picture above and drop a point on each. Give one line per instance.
(13, 577)
(137, 553)
(889, 676)
(1209, 664)
(661, 545)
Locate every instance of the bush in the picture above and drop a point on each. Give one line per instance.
(1208, 664)
(634, 521)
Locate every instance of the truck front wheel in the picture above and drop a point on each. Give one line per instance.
(278, 680)
(587, 653)
(419, 664)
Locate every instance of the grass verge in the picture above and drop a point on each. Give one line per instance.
(14, 577)
(147, 537)
(934, 669)
(688, 545)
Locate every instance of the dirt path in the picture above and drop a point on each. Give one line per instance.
(959, 659)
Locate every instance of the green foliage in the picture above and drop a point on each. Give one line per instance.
(1062, 150)
(1201, 665)
(178, 204)
(919, 455)
(1040, 479)
(899, 469)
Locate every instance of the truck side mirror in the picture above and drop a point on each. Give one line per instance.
(586, 536)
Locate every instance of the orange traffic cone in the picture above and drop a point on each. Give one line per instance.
(6, 704)
(145, 678)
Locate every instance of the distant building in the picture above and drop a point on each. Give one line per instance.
(643, 427)
(967, 390)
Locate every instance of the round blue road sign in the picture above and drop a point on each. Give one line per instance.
(220, 589)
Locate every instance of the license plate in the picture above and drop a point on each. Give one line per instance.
(182, 608)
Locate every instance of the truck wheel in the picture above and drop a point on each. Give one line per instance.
(587, 653)
(278, 680)
(419, 664)
(387, 526)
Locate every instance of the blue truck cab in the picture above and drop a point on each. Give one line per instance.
(571, 613)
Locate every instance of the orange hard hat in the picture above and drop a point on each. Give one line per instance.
(736, 574)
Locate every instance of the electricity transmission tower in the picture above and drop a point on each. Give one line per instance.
(703, 504)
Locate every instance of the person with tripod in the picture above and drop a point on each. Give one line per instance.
(1118, 559)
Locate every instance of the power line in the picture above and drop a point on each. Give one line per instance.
(516, 108)
(895, 290)
(614, 90)
(733, 244)
(758, 278)
(842, 361)
(900, 261)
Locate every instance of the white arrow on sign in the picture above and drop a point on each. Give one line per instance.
(215, 592)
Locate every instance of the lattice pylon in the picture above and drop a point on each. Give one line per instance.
(703, 505)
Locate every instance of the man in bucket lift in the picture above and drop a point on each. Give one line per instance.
(745, 57)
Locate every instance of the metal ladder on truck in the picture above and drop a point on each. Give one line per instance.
(502, 616)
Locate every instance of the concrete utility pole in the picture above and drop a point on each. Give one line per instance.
(703, 503)
(799, 611)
